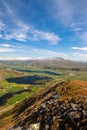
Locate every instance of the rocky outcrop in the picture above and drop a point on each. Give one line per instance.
(62, 106)
(57, 115)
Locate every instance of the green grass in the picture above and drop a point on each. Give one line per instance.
(6, 87)
(17, 98)
(20, 97)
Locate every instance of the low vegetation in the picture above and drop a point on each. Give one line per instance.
(19, 80)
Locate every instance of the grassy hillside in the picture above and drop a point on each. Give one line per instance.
(63, 105)
(19, 80)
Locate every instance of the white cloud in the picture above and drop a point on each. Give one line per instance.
(21, 31)
(70, 12)
(52, 38)
(76, 26)
(7, 50)
(1, 36)
(73, 24)
(24, 32)
(18, 33)
(6, 45)
(79, 57)
(35, 50)
(19, 58)
(74, 56)
(49, 54)
(77, 29)
(80, 48)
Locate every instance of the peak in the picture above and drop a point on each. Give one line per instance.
(58, 58)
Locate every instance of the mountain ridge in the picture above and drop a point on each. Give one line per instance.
(64, 103)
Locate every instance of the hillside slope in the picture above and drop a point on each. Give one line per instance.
(62, 106)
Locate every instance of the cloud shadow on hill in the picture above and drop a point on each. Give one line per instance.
(4, 98)
(39, 71)
(33, 80)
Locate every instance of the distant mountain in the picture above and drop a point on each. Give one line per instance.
(53, 63)
(34, 59)
(58, 58)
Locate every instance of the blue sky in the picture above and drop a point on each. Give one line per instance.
(43, 29)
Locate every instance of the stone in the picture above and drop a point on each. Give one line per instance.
(84, 114)
(48, 103)
(74, 106)
(75, 114)
(34, 126)
(56, 96)
(19, 128)
(11, 128)
(46, 127)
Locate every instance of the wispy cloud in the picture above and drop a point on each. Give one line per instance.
(79, 57)
(49, 54)
(7, 50)
(65, 10)
(69, 12)
(80, 48)
(83, 37)
(51, 37)
(61, 10)
(77, 29)
(73, 24)
(20, 58)
(24, 32)
(8, 8)
(6, 45)
(0, 35)
(15, 58)
(19, 30)
(2, 25)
